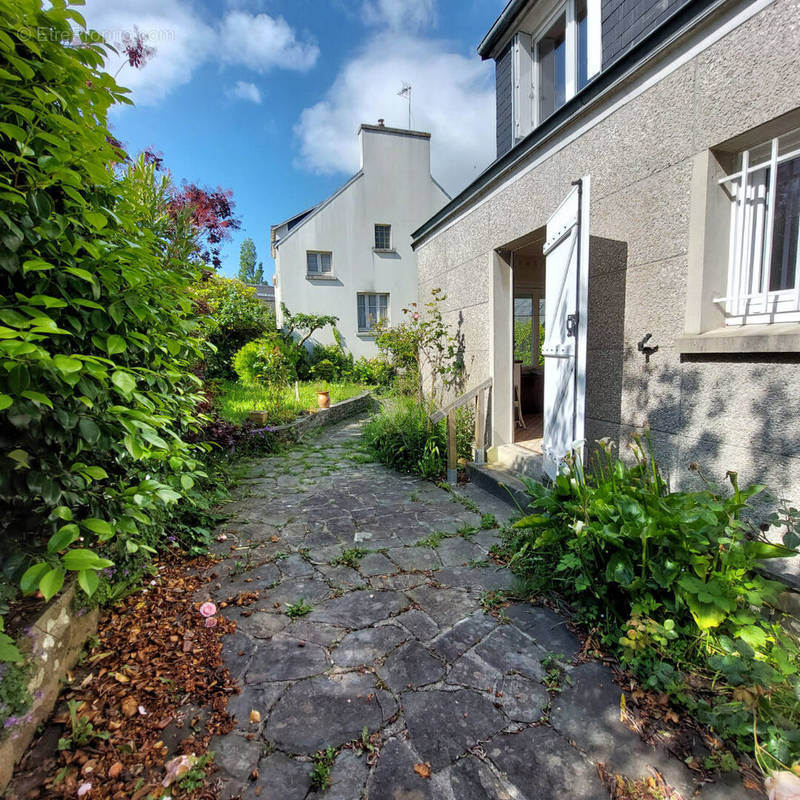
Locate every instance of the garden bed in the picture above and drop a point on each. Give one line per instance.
(235, 400)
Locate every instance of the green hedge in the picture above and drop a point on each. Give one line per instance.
(97, 330)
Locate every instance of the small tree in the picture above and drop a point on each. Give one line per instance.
(247, 262)
(304, 325)
(259, 274)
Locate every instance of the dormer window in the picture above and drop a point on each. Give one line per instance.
(554, 61)
(561, 58)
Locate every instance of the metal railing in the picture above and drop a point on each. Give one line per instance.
(480, 394)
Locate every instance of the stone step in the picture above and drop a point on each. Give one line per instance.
(517, 459)
(501, 482)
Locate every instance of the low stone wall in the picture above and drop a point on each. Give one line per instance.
(325, 416)
(53, 644)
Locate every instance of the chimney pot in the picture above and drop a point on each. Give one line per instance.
(380, 123)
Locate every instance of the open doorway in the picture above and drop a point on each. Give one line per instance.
(528, 273)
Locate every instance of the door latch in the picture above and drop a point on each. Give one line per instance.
(572, 324)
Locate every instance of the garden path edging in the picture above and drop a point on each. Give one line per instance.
(53, 644)
(325, 416)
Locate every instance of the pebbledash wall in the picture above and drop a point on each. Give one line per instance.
(645, 144)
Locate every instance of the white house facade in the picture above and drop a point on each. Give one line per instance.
(351, 255)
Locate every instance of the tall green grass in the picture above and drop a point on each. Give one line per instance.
(236, 400)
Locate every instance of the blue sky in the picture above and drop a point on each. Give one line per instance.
(265, 96)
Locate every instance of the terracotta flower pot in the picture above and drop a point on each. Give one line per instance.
(324, 399)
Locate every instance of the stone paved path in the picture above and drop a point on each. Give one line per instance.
(401, 646)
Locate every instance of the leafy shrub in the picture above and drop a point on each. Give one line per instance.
(423, 347)
(372, 372)
(99, 333)
(339, 363)
(232, 315)
(403, 437)
(669, 580)
(264, 362)
(324, 370)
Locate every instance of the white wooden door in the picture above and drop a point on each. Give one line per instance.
(566, 253)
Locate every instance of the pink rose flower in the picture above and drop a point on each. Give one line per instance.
(84, 789)
(211, 622)
(208, 609)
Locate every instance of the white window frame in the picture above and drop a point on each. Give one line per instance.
(748, 299)
(594, 51)
(319, 272)
(368, 330)
(374, 237)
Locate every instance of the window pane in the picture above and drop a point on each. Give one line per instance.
(786, 227)
(383, 237)
(523, 330)
(311, 262)
(362, 313)
(552, 68)
(583, 54)
(324, 262)
(382, 303)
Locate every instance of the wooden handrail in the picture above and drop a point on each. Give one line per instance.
(479, 395)
(459, 401)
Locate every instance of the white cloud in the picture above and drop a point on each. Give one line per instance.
(400, 15)
(262, 42)
(184, 41)
(452, 97)
(246, 91)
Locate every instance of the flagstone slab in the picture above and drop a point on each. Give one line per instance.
(523, 699)
(411, 666)
(285, 660)
(418, 623)
(587, 712)
(458, 552)
(236, 755)
(295, 566)
(316, 632)
(368, 644)
(443, 725)
(348, 776)
(543, 765)
(261, 624)
(414, 558)
(444, 606)
(376, 564)
(510, 650)
(547, 628)
(280, 778)
(328, 711)
(463, 635)
(394, 778)
(360, 609)
(254, 698)
(472, 671)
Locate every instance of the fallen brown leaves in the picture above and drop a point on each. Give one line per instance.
(652, 787)
(154, 663)
(423, 769)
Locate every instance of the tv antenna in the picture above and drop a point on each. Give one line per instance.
(405, 91)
